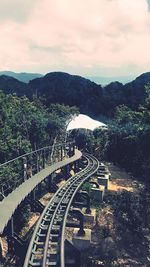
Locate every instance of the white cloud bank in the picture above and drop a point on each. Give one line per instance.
(84, 37)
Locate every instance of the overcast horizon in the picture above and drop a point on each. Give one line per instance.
(88, 38)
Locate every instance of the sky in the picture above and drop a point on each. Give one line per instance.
(84, 37)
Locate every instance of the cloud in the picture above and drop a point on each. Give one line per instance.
(17, 10)
(148, 2)
(83, 36)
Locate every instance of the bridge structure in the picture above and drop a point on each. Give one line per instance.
(21, 181)
(22, 177)
(47, 245)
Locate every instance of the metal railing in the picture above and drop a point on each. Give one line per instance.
(16, 171)
(47, 244)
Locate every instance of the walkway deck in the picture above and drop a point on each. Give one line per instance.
(11, 202)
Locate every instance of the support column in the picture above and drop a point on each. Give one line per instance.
(39, 187)
(10, 230)
(66, 171)
(79, 214)
(1, 250)
(49, 182)
(87, 196)
(10, 227)
(76, 166)
(32, 200)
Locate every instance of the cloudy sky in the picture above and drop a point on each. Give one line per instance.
(86, 37)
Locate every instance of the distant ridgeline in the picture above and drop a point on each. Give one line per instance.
(91, 98)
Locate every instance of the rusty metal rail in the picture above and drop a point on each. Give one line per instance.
(47, 244)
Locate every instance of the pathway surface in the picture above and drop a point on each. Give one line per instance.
(11, 202)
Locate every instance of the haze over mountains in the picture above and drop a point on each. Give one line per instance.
(106, 80)
(22, 76)
(26, 77)
(91, 98)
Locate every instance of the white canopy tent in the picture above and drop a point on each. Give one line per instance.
(84, 122)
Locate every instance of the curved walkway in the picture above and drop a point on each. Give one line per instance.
(11, 202)
(46, 247)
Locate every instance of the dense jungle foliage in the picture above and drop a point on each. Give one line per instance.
(30, 124)
(92, 99)
(26, 125)
(127, 139)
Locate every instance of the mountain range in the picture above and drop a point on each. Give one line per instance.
(22, 76)
(26, 77)
(91, 98)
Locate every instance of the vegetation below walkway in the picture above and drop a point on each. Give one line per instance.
(121, 236)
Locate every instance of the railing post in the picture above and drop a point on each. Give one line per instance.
(61, 153)
(37, 162)
(43, 158)
(70, 150)
(24, 168)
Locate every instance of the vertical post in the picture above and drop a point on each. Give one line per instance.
(76, 166)
(70, 150)
(1, 250)
(67, 171)
(61, 155)
(32, 200)
(10, 230)
(12, 226)
(37, 162)
(64, 149)
(73, 148)
(49, 180)
(43, 158)
(39, 189)
(33, 195)
(24, 168)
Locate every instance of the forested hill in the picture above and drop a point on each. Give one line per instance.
(11, 85)
(92, 99)
(21, 76)
(70, 90)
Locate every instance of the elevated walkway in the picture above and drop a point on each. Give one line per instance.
(11, 202)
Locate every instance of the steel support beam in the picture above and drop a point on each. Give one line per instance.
(85, 195)
(80, 216)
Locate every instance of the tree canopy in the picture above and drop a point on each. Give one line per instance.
(26, 125)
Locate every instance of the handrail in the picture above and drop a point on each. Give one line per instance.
(11, 202)
(54, 218)
(62, 251)
(35, 151)
(15, 171)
